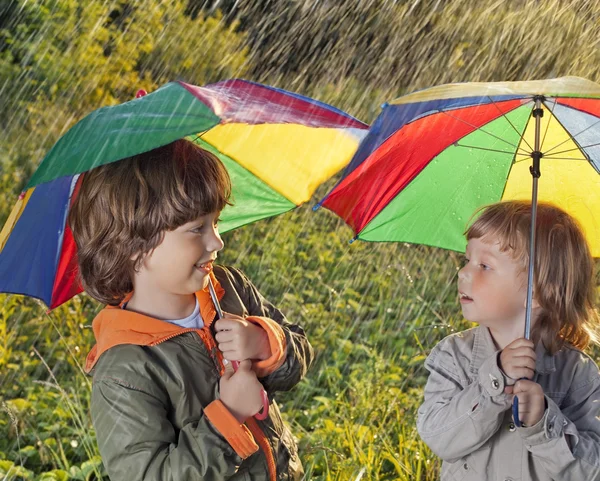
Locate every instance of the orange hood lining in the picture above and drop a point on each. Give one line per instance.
(114, 325)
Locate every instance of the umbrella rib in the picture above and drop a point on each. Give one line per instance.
(479, 128)
(583, 152)
(520, 134)
(556, 158)
(571, 150)
(565, 158)
(548, 124)
(571, 137)
(484, 148)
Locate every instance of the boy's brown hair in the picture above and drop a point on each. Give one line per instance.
(123, 209)
(563, 268)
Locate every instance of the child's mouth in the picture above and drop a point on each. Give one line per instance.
(205, 267)
(464, 298)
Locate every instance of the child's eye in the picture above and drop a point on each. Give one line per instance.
(485, 267)
(464, 260)
(197, 230)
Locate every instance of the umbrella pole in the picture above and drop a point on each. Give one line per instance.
(214, 298)
(536, 155)
(264, 412)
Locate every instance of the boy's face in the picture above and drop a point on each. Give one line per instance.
(181, 263)
(492, 286)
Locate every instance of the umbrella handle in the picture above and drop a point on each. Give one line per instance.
(515, 412)
(264, 412)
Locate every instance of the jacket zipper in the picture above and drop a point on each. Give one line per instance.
(178, 333)
(251, 423)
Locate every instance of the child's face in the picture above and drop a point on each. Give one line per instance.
(492, 286)
(181, 263)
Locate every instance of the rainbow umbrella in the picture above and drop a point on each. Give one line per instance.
(434, 156)
(277, 146)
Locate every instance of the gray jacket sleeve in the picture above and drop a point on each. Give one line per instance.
(460, 414)
(567, 439)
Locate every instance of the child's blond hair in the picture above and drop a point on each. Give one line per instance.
(563, 269)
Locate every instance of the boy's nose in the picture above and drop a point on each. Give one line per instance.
(216, 243)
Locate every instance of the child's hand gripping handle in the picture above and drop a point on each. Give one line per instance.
(264, 412)
(517, 361)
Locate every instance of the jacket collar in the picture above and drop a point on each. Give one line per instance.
(114, 326)
(484, 347)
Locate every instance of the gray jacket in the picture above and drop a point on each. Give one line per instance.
(466, 416)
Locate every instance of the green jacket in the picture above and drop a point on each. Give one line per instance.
(155, 394)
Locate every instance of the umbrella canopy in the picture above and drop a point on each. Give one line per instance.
(433, 157)
(277, 146)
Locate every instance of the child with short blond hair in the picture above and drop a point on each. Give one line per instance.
(466, 417)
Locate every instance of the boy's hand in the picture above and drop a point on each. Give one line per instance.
(517, 360)
(239, 339)
(532, 403)
(240, 391)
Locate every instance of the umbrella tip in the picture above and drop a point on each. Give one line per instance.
(353, 239)
(316, 207)
(140, 93)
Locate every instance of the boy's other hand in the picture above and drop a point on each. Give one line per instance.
(517, 360)
(239, 339)
(532, 403)
(240, 391)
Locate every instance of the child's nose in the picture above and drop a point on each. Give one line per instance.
(216, 243)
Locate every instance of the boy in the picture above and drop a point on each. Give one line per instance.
(165, 402)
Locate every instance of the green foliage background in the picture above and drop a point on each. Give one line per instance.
(372, 311)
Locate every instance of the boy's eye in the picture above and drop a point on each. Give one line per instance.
(484, 266)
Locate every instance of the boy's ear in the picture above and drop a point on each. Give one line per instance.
(134, 260)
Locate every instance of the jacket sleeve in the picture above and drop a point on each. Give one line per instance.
(567, 438)
(138, 442)
(459, 415)
(292, 354)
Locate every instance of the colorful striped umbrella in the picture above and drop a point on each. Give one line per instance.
(433, 157)
(277, 146)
